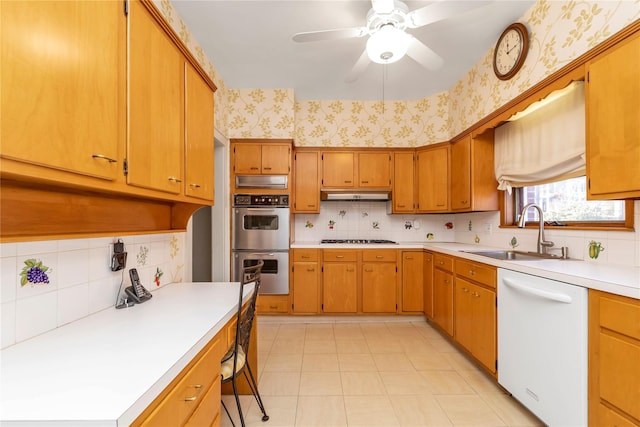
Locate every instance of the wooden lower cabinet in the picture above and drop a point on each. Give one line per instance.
(443, 292)
(614, 355)
(379, 288)
(412, 282)
(193, 397)
(305, 282)
(272, 304)
(340, 287)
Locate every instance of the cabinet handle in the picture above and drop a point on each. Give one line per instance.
(305, 257)
(273, 307)
(475, 294)
(364, 182)
(339, 256)
(194, 185)
(347, 182)
(446, 280)
(253, 168)
(401, 206)
(441, 262)
(102, 157)
(190, 399)
(368, 271)
(311, 270)
(350, 270)
(408, 257)
(471, 272)
(311, 206)
(465, 290)
(440, 204)
(266, 168)
(174, 179)
(379, 256)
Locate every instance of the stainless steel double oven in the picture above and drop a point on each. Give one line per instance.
(260, 231)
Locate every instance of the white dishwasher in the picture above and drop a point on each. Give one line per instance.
(542, 346)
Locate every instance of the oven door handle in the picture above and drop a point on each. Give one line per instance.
(260, 210)
(262, 254)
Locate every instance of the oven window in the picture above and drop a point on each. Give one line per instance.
(270, 265)
(260, 222)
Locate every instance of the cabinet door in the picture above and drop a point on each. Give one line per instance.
(484, 326)
(63, 86)
(374, 170)
(247, 159)
(461, 174)
(156, 101)
(428, 285)
(307, 189)
(379, 287)
(403, 182)
(337, 169)
(433, 180)
(412, 281)
(339, 288)
(276, 159)
(305, 287)
(443, 300)
(613, 122)
(199, 136)
(464, 324)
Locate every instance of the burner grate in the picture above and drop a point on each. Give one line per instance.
(358, 241)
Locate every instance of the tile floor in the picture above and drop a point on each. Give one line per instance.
(396, 371)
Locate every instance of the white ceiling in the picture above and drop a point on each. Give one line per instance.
(250, 45)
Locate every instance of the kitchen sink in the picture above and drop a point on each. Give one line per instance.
(515, 255)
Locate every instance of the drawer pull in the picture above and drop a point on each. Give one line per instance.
(103, 157)
(174, 179)
(368, 271)
(350, 270)
(471, 272)
(266, 168)
(379, 256)
(446, 280)
(310, 270)
(273, 307)
(441, 262)
(401, 206)
(196, 386)
(311, 206)
(253, 168)
(347, 182)
(305, 257)
(194, 185)
(339, 256)
(475, 294)
(465, 290)
(408, 257)
(364, 182)
(190, 399)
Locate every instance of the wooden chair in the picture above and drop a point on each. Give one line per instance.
(236, 362)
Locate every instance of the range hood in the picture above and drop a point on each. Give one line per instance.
(355, 195)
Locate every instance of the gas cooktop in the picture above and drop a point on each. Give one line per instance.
(359, 241)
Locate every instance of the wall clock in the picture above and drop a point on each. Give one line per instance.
(511, 51)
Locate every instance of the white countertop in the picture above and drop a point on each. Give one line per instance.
(105, 369)
(620, 280)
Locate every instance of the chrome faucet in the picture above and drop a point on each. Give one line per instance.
(542, 243)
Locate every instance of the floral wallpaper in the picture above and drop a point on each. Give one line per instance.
(560, 31)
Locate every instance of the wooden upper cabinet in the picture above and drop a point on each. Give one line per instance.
(199, 136)
(306, 191)
(403, 193)
(374, 170)
(156, 101)
(473, 183)
(338, 169)
(261, 159)
(63, 86)
(433, 179)
(613, 122)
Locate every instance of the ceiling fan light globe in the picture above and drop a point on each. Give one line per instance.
(387, 45)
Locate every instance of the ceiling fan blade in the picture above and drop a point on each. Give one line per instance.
(361, 64)
(424, 55)
(382, 6)
(336, 34)
(440, 10)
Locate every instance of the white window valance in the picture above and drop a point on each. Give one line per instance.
(545, 144)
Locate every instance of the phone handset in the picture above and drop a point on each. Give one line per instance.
(136, 291)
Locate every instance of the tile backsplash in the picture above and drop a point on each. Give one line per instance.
(79, 280)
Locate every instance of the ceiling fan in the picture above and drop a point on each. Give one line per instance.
(388, 41)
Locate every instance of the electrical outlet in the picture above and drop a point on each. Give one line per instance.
(487, 227)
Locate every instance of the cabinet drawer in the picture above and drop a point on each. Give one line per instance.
(608, 417)
(182, 400)
(305, 255)
(209, 408)
(339, 255)
(272, 304)
(380, 255)
(483, 274)
(620, 373)
(621, 316)
(443, 262)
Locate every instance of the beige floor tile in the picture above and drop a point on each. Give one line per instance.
(347, 331)
(384, 345)
(417, 345)
(393, 362)
(267, 332)
(405, 383)
(280, 409)
(320, 346)
(230, 402)
(321, 411)
(362, 384)
(367, 411)
(469, 411)
(429, 361)
(460, 361)
(510, 410)
(279, 383)
(284, 362)
(480, 381)
(377, 333)
(356, 362)
(419, 411)
(355, 345)
(320, 384)
(443, 346)
(446, 382)
(281, 345)
(291, 331)
(319, 332)
(319, 362)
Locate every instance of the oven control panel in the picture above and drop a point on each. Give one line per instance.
(279, 200)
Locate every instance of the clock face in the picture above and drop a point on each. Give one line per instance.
(510, 51)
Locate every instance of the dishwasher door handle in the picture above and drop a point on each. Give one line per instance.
(566, 299)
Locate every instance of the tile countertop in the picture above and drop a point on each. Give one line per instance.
(105, 369)
(616, 279)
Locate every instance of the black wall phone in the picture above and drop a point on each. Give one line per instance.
(136, 291)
